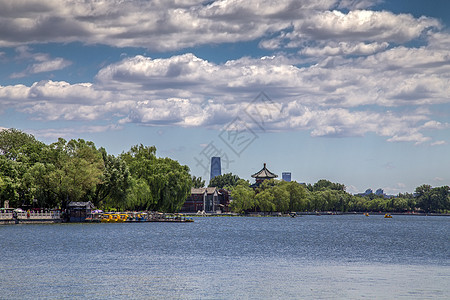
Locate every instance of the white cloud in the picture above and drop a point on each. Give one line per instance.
(439, 143)
(439, 40)
(158, 25)
(344, 48)
(71, 132)
(435, 125)
(173, 25)
(365, 25)
(358, 32)
(185, 90)
(50, 65)
(399, 187)
(44, 63)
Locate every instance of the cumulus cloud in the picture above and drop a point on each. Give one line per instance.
(364, 25)
(347, 72)
(185, 90)
(439, 143)
(71, 132)
(157, 25)
(43, 62)
(343, 48)
(358, 32)
(173, 25)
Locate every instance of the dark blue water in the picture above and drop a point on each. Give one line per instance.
(319, 257)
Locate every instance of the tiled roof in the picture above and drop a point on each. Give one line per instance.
(209, 190)
(81, 204)
(264, 173)
(197, 190)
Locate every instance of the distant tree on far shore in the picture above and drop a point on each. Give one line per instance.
(324, 184)
(197, 182)
(221, 181)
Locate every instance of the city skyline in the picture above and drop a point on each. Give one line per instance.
(355, 92)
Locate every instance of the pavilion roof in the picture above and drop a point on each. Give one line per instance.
(264, 173)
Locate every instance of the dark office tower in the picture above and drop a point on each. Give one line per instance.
(286, 176)
(216, 169)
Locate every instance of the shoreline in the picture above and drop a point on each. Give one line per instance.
(324, 213)
(254, 214)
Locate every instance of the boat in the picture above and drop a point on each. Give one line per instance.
(142, 217)
(388, 216)
(94, 217)
(122, 217)
(107, 218)
(366, 214)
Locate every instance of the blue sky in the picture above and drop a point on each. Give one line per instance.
(356, 92)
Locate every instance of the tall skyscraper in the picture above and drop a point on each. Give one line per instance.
(216, 168)
(286, 176)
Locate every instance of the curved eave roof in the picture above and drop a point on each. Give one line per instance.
(264, 173)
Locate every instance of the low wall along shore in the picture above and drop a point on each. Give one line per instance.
(8, 217)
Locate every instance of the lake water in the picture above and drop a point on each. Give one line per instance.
(321, 257)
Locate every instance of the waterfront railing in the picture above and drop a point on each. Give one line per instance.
(31, 215)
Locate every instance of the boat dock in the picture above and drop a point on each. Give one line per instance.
(133, 217)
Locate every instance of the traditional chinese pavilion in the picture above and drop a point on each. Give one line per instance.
(263, 175)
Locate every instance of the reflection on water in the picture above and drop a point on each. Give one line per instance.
(230, 258)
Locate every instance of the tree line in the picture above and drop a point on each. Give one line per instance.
(281, 196)
(33, 174)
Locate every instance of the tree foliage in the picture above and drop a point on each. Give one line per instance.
(32, 173)
(35, 174)
(221, 181)
(197, 182)
(433, 199)
(274, 195)
(169, 182)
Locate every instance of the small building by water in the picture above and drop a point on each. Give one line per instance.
(78, 211)
(210, 199)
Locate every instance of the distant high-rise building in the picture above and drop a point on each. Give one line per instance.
(286, 176)
(216, 168)
(379, 192)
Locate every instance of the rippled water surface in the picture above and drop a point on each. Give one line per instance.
(349, 256)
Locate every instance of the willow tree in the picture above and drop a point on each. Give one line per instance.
(72, 171)
(115, 182)
(243, 197)
(169, 182)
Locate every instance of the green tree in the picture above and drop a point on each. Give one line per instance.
(243, 197)
(298, 196)
(221, 181)
(72, 171)
(139, 196)
(9, 175)
(433, 199)
(169, 182)
(281, 196)
(14, 142)
(40, 177)
(324, 184)
(424, 199)
(115, 181)
(264, 200)
(197, 182)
